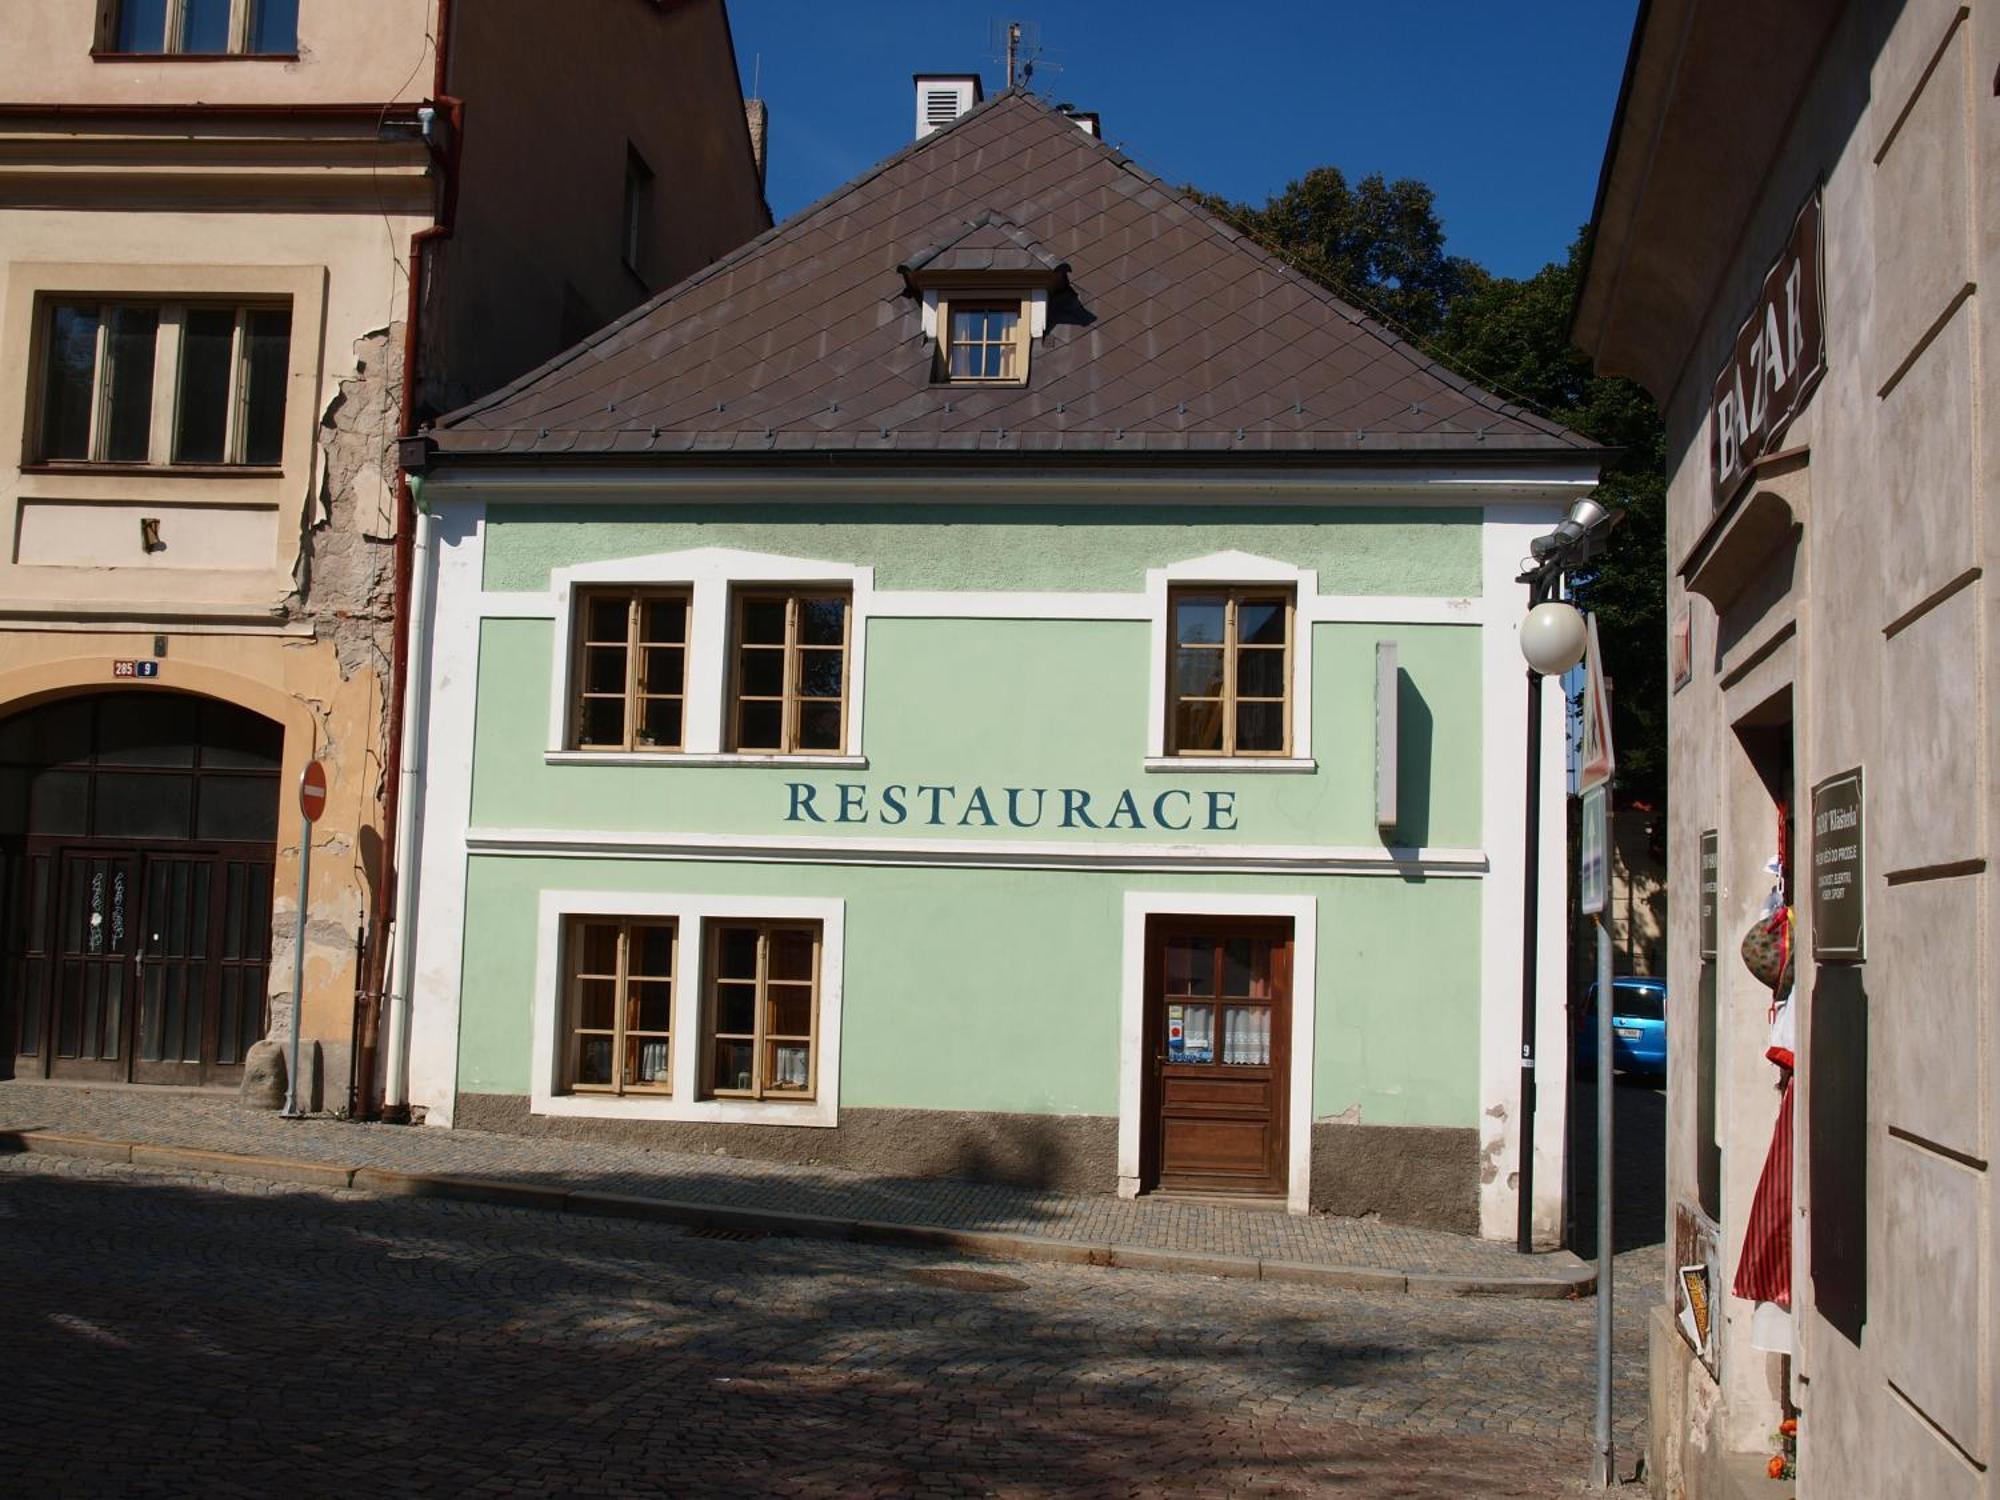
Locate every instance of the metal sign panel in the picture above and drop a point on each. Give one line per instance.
(1839, 884)
(1710, 875)
(1596, 760)
(1777, 359)
(312, 792)
(1388, 682)
(1593, 875)
(141, 668)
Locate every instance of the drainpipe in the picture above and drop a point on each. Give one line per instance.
(416, 684)
(388, 895)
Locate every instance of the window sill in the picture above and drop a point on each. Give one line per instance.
(694, 758)
(98, 467)
(194, 57)
(699, 1111)
(1211, 763)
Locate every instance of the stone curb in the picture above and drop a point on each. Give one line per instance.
(985, 1244)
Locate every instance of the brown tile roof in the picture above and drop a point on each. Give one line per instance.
(988, 245)
(1178, 334)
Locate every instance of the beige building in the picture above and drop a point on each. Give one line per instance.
(224, 226)
(1796, 243)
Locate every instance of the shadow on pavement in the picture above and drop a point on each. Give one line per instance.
(169, 1338)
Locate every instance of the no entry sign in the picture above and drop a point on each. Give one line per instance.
(312, 792)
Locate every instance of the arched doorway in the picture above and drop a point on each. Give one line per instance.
(138, 833)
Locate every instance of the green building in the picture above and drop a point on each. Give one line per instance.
(1000, 677)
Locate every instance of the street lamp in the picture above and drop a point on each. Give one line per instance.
(1552, 639)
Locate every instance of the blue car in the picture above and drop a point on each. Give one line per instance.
(1638, 1028)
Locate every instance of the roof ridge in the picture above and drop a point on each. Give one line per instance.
(688, 283)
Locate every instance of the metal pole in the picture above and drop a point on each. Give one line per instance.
(1602, 1430)
(1530, 959)
(291, 1110)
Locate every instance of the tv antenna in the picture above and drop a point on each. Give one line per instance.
(1019, 43)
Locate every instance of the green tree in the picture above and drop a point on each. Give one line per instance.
(1513, 336)
(1375, 242)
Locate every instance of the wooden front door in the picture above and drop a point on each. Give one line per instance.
(137, 844)
(1218, 1031)
(96, 902)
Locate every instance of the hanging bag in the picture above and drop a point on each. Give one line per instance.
(1767, 950)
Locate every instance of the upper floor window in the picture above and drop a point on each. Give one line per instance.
(1229, 686)
(207, 28)
(638, 210)
(789, 684)
(985, 341)
(164, 383)
(632, 670)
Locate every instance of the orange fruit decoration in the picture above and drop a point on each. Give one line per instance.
(1776, 1467)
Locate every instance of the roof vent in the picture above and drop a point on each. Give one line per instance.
(1085, 120)
(943, 97)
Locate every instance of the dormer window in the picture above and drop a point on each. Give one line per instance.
(987, 341)
(985, 292)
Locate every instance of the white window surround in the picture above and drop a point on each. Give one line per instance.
(1037, 309)
(692, 914)
(1304, 914)
(1232, 568)
(709, 574)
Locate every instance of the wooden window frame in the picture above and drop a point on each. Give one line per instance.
(169, 348)
(790, 700)
(1234, 596)
(635, 694)
(1020, 343)
(242, 20)
(761, 1037)
(622, 1028)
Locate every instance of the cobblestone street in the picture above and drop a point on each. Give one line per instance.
(172, 1334)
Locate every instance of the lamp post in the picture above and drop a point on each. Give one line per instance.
(1552, 639)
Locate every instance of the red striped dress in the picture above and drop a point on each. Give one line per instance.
(1764, 1269)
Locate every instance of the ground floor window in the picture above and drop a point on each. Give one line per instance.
(621, 1003)
(763, 1009)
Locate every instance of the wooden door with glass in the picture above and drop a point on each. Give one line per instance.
(1218, 1028)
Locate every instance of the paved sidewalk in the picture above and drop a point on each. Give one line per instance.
(731, 1192)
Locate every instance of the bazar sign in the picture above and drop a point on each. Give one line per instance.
(943, 806)
(1779, 354)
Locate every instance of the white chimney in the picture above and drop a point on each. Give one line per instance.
(943, 97)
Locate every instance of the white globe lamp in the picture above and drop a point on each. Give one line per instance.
(1552, 637)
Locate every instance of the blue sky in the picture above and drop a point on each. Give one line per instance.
(1502, 108)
